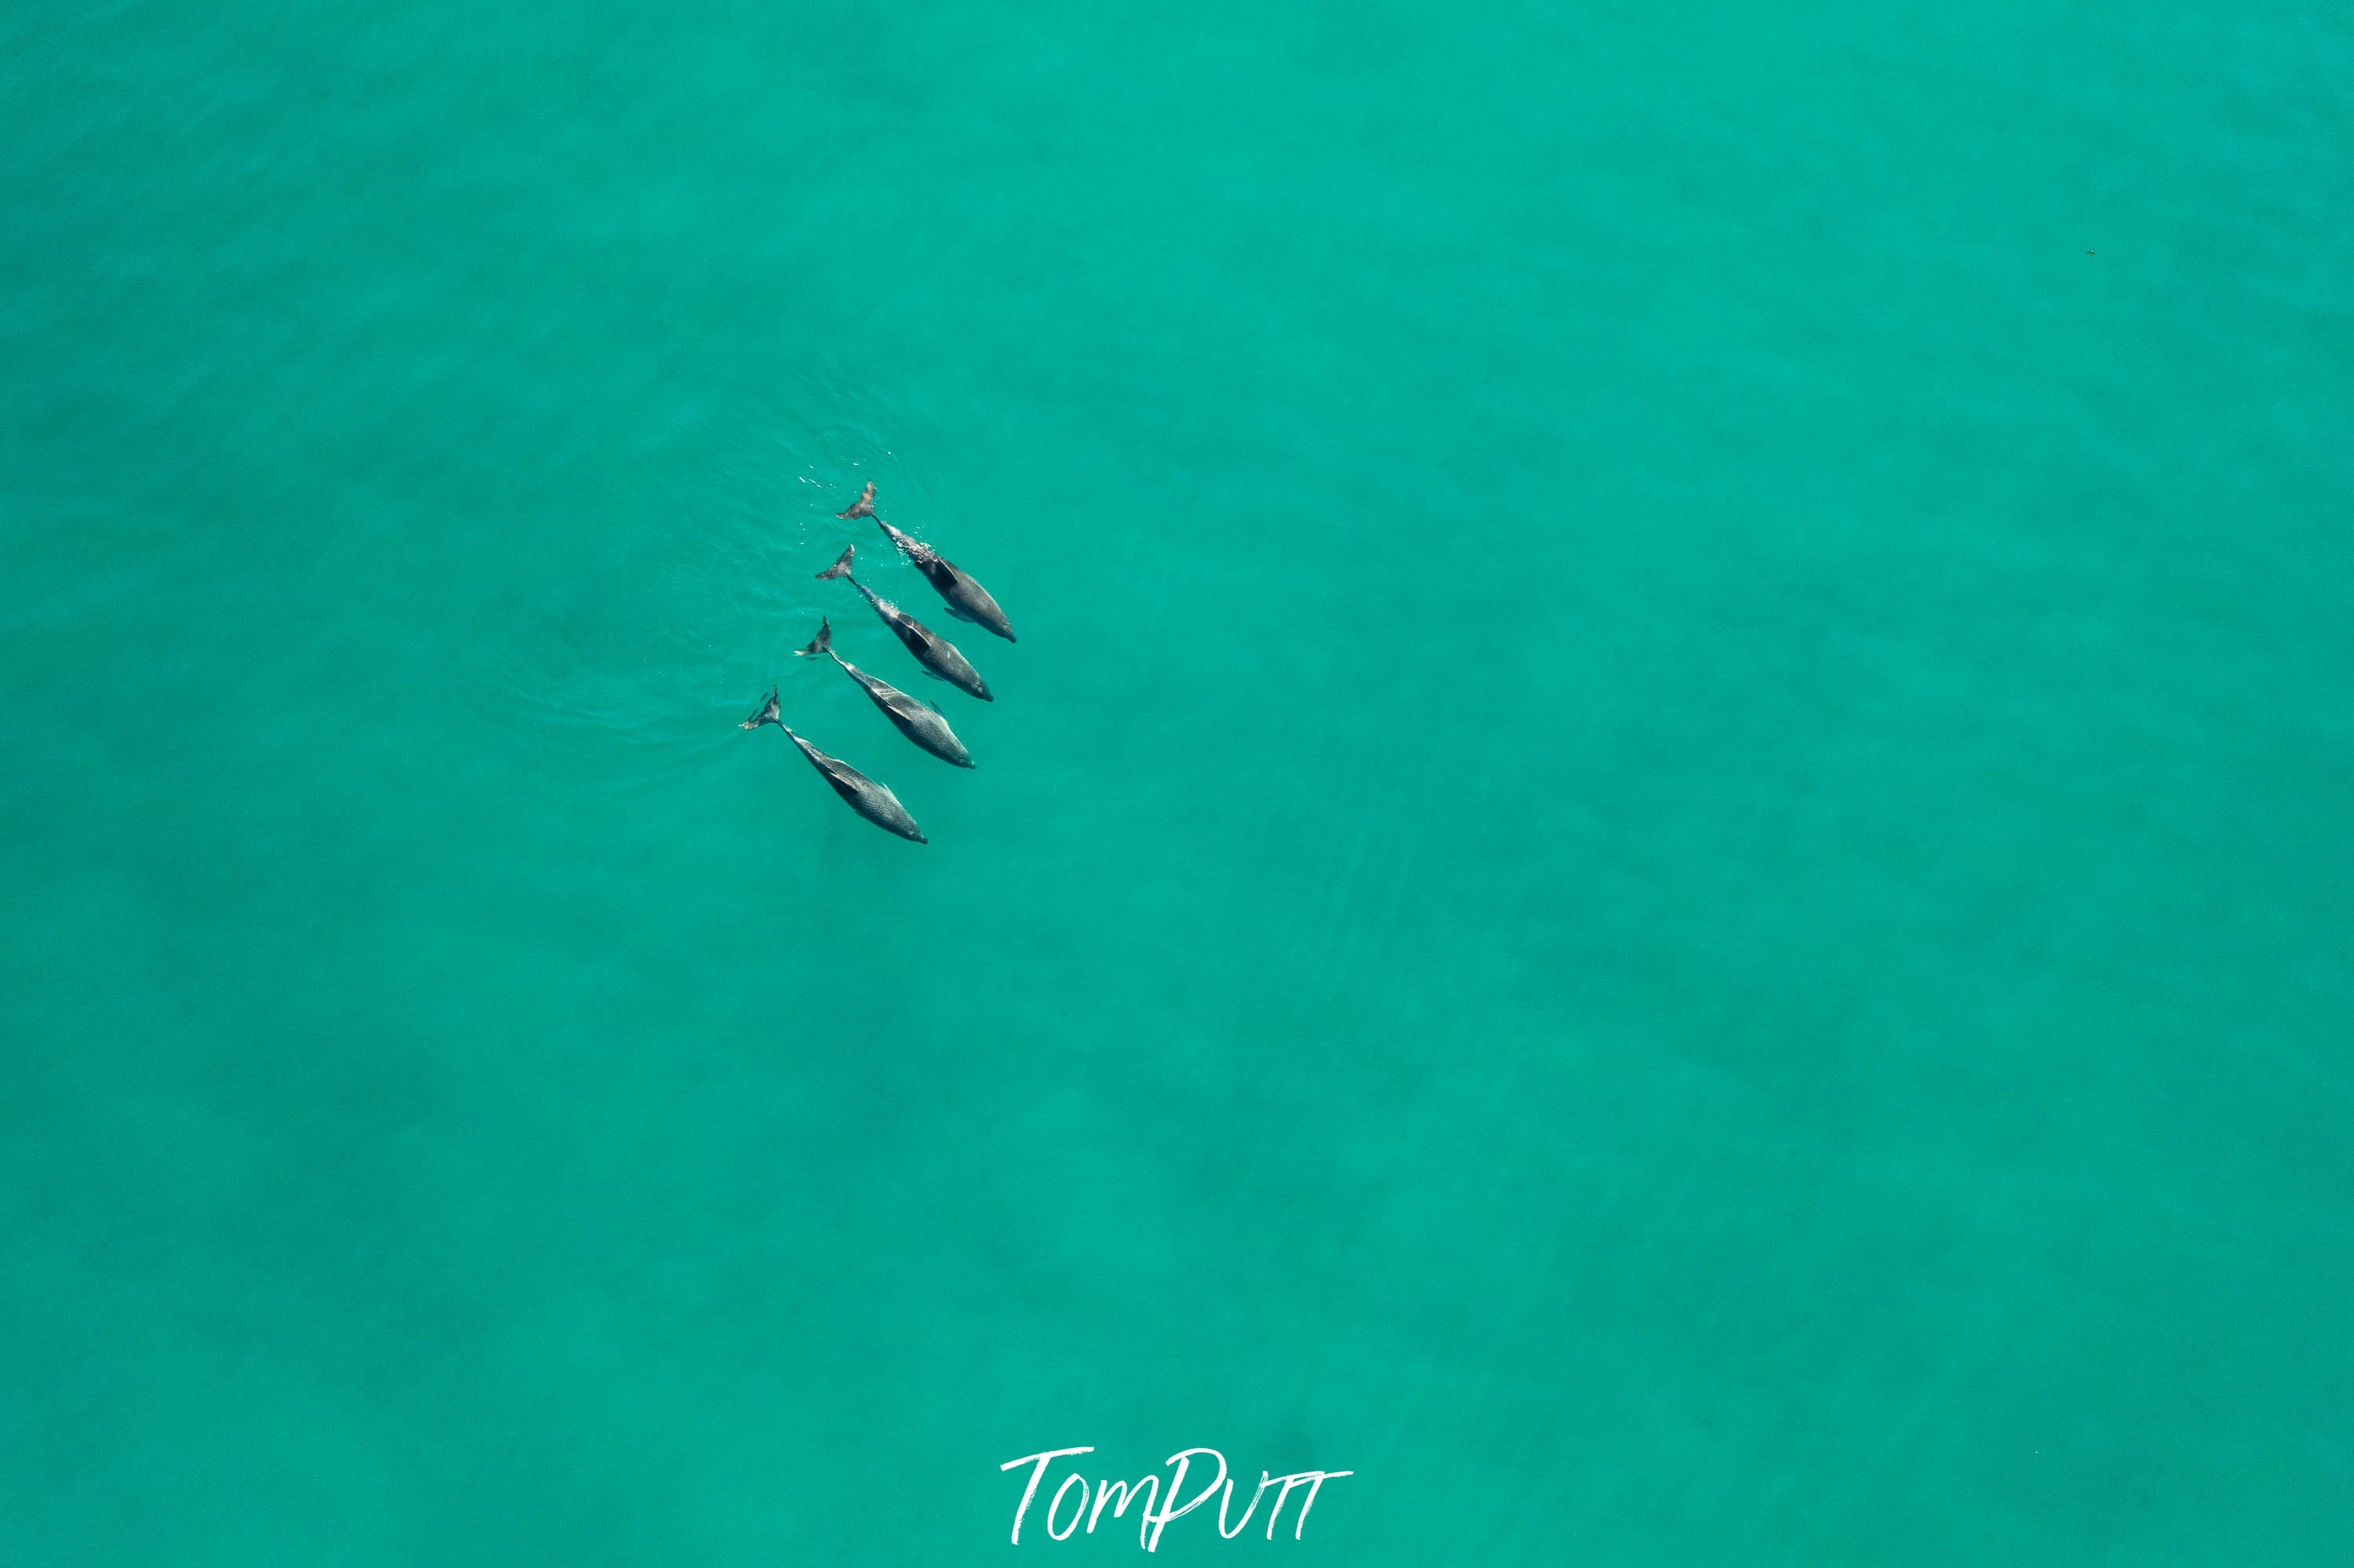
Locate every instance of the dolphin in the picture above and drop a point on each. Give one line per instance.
(966, 600)
(871, 800)
(935, 654)
(917, 719)
(863, 507)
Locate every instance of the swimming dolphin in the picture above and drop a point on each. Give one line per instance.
(863, 507)
(966, 600)
(917, 719)
(935, 654)
(871, 800)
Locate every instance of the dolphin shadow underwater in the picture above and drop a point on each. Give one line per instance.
(870, 799)
(935, 654)
(915, 718)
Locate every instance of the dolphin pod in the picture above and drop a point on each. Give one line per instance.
(871, 800)
(923, 725)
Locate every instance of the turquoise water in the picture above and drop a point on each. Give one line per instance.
(1665, 862)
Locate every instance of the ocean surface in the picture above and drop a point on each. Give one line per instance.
(1666, 861)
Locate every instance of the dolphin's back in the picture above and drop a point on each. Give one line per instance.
(870, 799)
(874, 802)
(917, 720)
(970, 601)
(935, 654)
(966, 600)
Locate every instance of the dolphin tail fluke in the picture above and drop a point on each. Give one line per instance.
(840, 568)
(822, 643)
(767, 714)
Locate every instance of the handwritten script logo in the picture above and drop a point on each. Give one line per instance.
(1151, 1521)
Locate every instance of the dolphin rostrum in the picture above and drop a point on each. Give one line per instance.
(863, 507)
(871, 800)
(917, 719)
(966, 600)
(935, 654)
